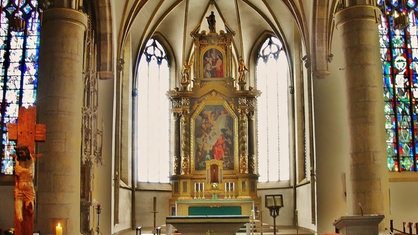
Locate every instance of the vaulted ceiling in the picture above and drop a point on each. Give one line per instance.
(301, 23)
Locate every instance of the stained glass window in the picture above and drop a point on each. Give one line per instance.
(272, 112)
(19, 51)
(153, 123)
(399, 56)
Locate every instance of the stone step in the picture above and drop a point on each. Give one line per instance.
(266, 230)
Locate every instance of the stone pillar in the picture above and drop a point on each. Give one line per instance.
(368, 174)
(59, 102)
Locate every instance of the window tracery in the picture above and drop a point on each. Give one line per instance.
(272, 111)
(153, 122)
(19, 53)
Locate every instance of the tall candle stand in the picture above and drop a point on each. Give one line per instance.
(98, 211)
(154, 211)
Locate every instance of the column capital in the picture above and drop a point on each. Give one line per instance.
(65, 14)
(357, 13)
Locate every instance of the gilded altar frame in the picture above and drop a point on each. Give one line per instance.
(217, 101)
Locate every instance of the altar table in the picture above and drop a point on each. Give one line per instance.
(208, 224)
(202, 207)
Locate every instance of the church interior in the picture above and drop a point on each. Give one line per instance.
(209, 116)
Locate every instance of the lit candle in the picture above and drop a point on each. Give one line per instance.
(58, 229)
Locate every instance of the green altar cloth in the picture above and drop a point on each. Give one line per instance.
(209, 224)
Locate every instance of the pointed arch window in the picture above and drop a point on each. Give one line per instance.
(19, 53)
(399, 56)
(272, 111)
(153, 121)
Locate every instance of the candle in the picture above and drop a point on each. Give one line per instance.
(58, 229)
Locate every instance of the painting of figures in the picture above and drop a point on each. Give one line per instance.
(213, 65)
(214, 138)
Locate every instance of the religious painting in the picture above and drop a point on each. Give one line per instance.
(214, 137)
(213, 64)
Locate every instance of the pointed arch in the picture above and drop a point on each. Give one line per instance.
(273, 113)
(152, 117)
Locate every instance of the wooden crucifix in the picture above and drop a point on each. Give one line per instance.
(26, 132)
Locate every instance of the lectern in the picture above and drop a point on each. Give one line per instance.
(274, 203)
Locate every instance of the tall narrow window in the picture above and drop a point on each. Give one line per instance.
(272, 112)
(19, 34)
(153, 114)
(399, 56)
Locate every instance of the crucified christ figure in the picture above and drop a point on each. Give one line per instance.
(24, 192)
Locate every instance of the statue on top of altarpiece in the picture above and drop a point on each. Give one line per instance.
(211, 22)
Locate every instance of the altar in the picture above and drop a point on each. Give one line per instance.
(215, 224)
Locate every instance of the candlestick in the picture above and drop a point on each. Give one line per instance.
(98, 211)
(98, 208)
(58, 229)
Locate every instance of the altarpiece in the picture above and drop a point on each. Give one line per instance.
(214, 164)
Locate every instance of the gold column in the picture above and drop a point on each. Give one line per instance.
(177, 158)
(243, 154)
(368, 174)
(185, 140)
(60, 99)
(252, 169)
